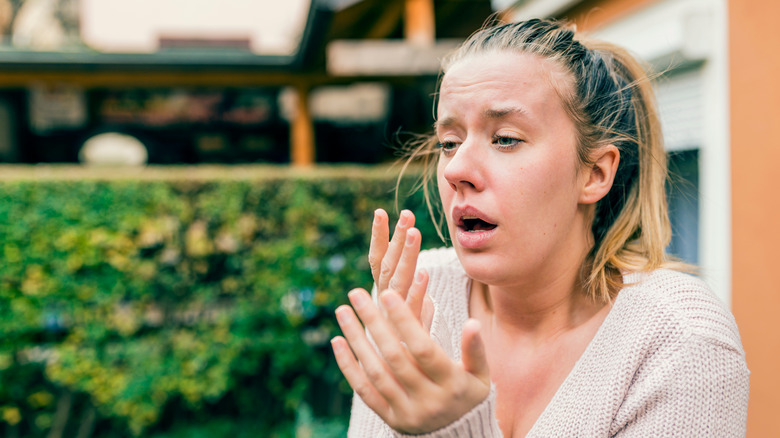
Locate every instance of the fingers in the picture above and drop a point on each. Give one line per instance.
(405, 372)
(430, 358)
(355, 375)
(371, 370)
(416, 295)
(403, 275)
(426, 316)
(390, 347)
(474, 358)
(394, 250)
(380, 235)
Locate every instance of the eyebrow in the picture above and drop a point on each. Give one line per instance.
(443, 123)
(503, 112)
(490, 113)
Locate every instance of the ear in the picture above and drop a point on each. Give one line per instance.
(598, 178)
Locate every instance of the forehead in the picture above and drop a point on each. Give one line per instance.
(498, 78)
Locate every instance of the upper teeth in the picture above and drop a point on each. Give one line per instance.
(469, 217)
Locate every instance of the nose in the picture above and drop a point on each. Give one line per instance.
(463, 170)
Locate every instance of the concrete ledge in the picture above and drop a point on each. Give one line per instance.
(383, 57)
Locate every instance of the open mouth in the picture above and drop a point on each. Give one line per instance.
(474, 224)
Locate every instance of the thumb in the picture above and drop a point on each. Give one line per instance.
(474, 357)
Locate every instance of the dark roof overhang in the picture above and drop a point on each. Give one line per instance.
(181, 59)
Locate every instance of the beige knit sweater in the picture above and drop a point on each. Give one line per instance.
(667, 361)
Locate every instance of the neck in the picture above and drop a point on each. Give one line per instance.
(535, 313)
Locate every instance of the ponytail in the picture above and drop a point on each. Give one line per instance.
(634, 236)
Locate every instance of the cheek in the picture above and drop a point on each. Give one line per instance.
(445, 193)
(542, 189)
(441, 182)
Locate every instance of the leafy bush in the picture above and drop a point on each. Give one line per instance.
(175, 303)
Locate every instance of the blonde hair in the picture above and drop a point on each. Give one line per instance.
(610, 99)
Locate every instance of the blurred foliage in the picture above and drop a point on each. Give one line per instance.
(181, 308)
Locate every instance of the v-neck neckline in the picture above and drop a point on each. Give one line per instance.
(628, 280)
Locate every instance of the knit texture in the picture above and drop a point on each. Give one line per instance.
(666, 361)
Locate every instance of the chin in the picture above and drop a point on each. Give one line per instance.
(486, 267)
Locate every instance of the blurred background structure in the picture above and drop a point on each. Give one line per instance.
(307, 82)
(226, 82)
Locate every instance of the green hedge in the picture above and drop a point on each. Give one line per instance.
(181, 302)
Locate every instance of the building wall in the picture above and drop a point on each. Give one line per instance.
(592, 14)
(755, 157)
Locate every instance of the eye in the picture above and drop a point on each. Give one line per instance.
(447, 146)
(506, 143)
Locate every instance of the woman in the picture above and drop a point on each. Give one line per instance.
(557, 313)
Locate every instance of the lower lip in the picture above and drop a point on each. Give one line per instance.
(473, 239)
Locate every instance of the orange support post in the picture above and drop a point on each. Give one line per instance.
(420, 22)
(302, 151)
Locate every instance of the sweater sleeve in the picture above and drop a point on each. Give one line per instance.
(480, 422)
(699, 388)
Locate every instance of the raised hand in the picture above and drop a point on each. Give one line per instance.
(386, 258)
(394, 262)
(408, 380)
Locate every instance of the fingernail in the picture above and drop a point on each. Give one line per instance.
(419, 276)
(410, 238)
(357, 299)
(335, 345)
(341, 316)
(376, 216)
(389, 300)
